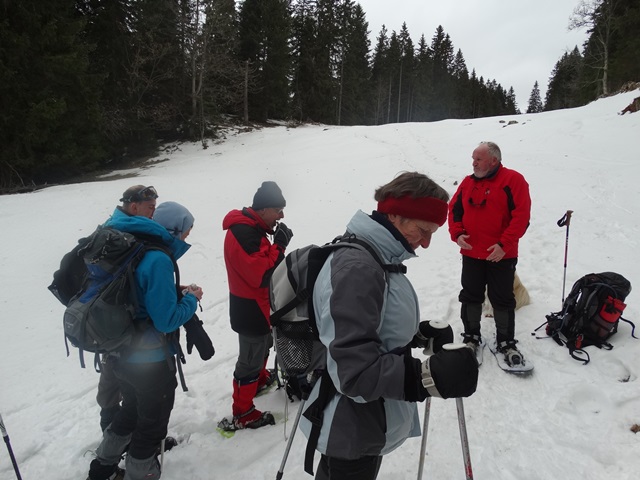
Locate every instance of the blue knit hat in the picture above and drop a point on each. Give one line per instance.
(174, 217)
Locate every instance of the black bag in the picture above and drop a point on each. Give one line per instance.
(590, 314)
(95, 282)
(299, 353)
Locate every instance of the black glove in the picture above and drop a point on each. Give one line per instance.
(196, 336)
(432, 334)
(452, 372)
(414, 391)
(282, 235)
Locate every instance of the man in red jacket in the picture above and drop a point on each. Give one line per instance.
(488, 215)
(250, 259)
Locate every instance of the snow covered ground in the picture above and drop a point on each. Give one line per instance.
(567, 421)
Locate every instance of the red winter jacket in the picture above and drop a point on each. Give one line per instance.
(250, 259)
(494, 209)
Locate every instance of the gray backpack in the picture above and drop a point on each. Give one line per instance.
(99, 318)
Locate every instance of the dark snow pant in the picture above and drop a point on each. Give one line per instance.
(108, 396)
(250, 370)
(364, 468)
(497, 277)
(148, 393)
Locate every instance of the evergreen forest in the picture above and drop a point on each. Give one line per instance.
(88, 85)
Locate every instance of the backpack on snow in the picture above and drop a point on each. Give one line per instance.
(300, 355)
(590, 314)
(96, 284)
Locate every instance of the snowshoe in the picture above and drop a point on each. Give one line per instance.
(506, 352)
(252, 419)
(512, 355)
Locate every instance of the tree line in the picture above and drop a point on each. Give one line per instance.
(92, 84)
(609, 59)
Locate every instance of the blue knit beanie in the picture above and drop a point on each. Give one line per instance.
(174, 217)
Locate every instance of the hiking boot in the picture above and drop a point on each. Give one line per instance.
(97, 471)
(169, 443)
(511, 354)
(253, 419)
(270, 380)
(474, 342)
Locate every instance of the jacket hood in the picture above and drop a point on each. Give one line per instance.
(144, 226)
(246, 216)
(389, 248)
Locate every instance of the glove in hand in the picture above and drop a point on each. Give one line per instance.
(414, 391)
(432, 334)
(452, 372)
(282, 235)
(196, 336)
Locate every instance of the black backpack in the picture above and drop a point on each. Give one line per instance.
(590, 314)
(96, 284)
(300, 355)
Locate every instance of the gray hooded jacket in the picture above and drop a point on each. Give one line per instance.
(363, 315)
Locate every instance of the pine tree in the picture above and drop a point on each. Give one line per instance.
(443, 86)
(264, 31)
(380, 76)
(535, 102)
(563, 90)
(354, 73)
(50, 121)
(423, 82)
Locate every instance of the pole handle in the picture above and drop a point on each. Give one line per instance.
(566, 219)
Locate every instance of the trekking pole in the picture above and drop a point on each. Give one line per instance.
(293, 434)
(8, 442)
(162, 443)
(464, 440)
(423, 445)
(565, 220)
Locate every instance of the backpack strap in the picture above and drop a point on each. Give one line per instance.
(387, 267)
(315, 414)
(151, 243)
(633, 327)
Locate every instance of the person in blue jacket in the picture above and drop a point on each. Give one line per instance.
(146, 371)
(137, 200)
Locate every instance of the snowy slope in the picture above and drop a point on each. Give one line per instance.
(567, 421)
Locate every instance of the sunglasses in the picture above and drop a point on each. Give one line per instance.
(147, 193)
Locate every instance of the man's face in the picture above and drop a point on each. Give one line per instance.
(483, 162)
(143, 209)
(270, 216)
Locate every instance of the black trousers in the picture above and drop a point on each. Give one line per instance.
(363, 468)
(108, 396)
(148, 394)
(497, 277)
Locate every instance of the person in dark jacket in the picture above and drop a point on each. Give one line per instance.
(146, 375)
(250, 259)
(137, 200)
(368, 318)
(488, 215)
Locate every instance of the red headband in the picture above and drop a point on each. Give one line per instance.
(422, 208)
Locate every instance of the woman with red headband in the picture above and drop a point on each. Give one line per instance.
(367, 314)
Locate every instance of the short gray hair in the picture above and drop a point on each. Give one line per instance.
(493, 149)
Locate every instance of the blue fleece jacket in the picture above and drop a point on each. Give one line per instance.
(156, 288)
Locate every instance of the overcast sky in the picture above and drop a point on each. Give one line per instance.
(515, 42)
